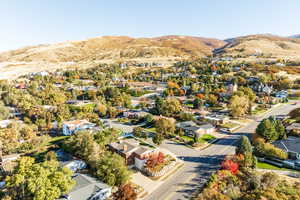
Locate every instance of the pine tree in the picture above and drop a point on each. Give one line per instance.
(266, 129)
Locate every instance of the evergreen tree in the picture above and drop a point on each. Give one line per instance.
(244, 148)
(266, 129)
(158, 138)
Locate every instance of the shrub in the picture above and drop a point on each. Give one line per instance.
(268, 150)
(155, 160)
(230, 166)
(125, 192)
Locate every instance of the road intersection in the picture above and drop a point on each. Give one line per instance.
(199, 165)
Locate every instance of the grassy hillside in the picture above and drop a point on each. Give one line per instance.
(269, 46)
(109, 47)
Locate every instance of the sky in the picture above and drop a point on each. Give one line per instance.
(32, 22)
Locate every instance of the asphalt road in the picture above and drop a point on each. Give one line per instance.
(199, 165)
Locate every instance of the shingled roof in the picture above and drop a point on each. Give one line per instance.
(291, 144)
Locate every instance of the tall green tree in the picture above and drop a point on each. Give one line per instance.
(279, 127)
(244, 148)
(169, 107)
(165, 126)
(4, 112)
(270, 130)
(158, 138)
(111, 169)
(39, 181)
(82, 144)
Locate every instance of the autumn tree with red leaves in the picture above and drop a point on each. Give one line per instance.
(155, 160)
(230, 166)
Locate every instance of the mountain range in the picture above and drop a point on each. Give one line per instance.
(109, 49)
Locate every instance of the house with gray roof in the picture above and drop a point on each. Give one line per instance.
(88, 188)
(71, 127)
(291, 145)
(67, 160)
(295, 127)
(192, 129)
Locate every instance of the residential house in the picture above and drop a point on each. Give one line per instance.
(264, 88)
(192, 129)
(156, 117)
(69, 161)
(141, 85)
(7, 162)
(281, 94)
(133, 152)
(86, 88)
(230, 89)
(134, 114)
(252, 79)
(216, 119)
(79, 102)
(21, 86)
(282, 117)
(291, 145)
(14, 112)
(5, 123)
(295, 127)
(71, 127)
(88, 188)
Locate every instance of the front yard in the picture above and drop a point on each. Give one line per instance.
(230, 125)
(202, 140)
(263, 165)
(259, 110)
(151, 130)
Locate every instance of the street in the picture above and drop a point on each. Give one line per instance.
(199, 165)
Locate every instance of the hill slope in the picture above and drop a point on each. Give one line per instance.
(103, 49)
(268, 45)
(109, 47)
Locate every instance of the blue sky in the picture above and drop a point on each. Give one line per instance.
(31, 22)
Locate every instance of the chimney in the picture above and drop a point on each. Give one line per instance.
(124, 147)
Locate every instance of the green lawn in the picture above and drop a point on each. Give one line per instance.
(263, 165)
(216, 108)
(123, 120)
(152, 129)
(54, 140)
(187, 138)
(206, 138)
(294, 98)
(259, 110)
(229, 125)
(190, 105)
